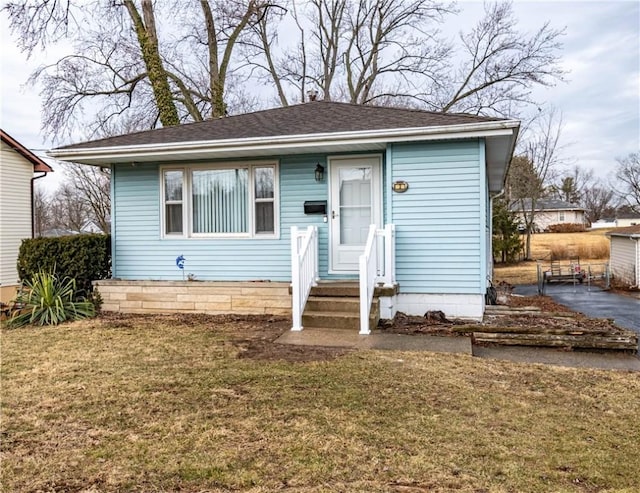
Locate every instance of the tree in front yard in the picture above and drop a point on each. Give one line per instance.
(506, 237)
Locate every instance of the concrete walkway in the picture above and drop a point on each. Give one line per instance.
(459, 345)
(376, 340)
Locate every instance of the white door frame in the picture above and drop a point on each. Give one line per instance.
(375, 161)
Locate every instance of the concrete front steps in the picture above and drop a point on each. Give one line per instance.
(336, 305)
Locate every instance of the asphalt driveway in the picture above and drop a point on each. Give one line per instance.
(593, 302)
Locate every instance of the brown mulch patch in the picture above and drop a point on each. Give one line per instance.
(413, 324)
(551, 316)
(545, 303)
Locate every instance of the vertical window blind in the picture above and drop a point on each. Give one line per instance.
(220, 199)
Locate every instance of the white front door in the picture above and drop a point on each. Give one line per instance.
(355, 199)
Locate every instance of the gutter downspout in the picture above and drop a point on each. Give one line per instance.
(33, 227)
(490, 219)
(637, 284)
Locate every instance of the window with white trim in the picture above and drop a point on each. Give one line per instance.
(561, 216)
(234, 201)
(173, 206)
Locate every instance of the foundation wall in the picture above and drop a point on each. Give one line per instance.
(8, 293)
(214, 298)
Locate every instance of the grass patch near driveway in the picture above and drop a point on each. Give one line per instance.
(591, 247)
(198, 403)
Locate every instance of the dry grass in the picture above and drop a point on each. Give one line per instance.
(590, 244)
(168, 404)
(591, 247)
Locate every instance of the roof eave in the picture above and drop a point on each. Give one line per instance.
(280, 144)
(39, 166)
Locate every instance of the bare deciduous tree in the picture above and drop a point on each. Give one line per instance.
(596, 200)
(534, 169)
(69, 210)
(628, 174)
(42, 216)
(123, 68)
(92, 187)
(572, 184)
(501, 64)
(392, 51)
(141, 63)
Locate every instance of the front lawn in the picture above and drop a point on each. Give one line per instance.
(195, 403)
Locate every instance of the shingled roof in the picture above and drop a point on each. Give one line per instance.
(317, 117)
(547, 205)
(630, 231)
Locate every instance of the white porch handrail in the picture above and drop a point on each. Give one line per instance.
(371, 274)
(304, 269)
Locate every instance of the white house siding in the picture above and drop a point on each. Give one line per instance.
(547, 218)
(624, 260)
(627, 221)
(15, 214)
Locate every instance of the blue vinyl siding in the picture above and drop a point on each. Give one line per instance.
(440, 220)
(141, 253)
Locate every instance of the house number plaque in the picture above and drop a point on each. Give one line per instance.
(400, 186)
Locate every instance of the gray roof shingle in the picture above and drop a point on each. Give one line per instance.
(548, 205)
(309, 118)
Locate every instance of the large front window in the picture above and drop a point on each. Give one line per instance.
(223, 201)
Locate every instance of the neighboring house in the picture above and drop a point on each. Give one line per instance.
(625, 255)
(17, 167)
(549, 212)
(222, 198)
(624, 219)
(603, 223)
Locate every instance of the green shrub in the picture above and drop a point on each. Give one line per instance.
(49, 300)
(83, 258)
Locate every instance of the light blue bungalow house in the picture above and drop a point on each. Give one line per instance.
(382, 209)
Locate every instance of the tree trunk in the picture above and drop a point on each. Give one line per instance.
(148, 40)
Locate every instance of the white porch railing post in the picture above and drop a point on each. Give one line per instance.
(364, 306)
(304, 270)
(368, 267)
(295, 281)
(390, 255)
(316, 264)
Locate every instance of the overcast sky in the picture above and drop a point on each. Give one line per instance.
(600, 100)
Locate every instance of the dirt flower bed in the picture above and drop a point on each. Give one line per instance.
(252, 336)
(552, 315)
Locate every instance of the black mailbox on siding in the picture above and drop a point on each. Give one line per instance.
(315, 207)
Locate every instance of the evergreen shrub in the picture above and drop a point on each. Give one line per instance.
(83, 258)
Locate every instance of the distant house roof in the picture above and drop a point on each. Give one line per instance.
(314, 127)
(627, 215)
(38, 164)
(548, 205)
(629, 231)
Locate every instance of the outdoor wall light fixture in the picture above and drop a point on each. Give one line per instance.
(400, 186)
(319, 172)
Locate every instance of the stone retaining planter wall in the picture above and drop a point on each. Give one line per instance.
(211, 297)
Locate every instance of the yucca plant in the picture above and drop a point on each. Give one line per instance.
(48, 300)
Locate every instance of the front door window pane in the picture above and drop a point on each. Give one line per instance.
(355, 205)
